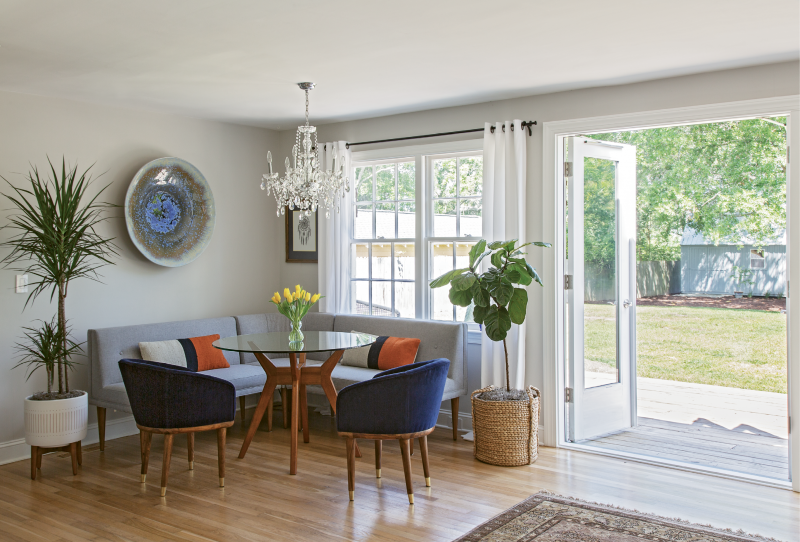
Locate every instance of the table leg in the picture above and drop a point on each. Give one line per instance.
(263, 402)
(326, 381)
(304, 412)
(295, 409)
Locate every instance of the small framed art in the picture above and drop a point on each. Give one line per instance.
(301, 237)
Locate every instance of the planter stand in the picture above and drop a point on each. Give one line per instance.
(74, 450)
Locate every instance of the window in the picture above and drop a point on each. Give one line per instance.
(415, 217)
(383, 272)
(757, 260)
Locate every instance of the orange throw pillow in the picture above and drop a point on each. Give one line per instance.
(208, 357)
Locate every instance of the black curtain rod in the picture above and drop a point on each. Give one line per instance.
(526, 124)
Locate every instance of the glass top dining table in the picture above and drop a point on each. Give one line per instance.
(297, 374)
(278, 342)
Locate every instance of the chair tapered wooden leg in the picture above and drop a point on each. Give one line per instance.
(241, 409)
(145, 438)
(454, 414)
(304, 412)
(378, 452)
(39, 454)
(73, 453)
(168, 438)
(190, 446)
(285, 406)
(423, 450)
(80, 453)
(405, 449)
(411, 445)
(101, 426)
(351, 467)
(34, 461)
(221, 436)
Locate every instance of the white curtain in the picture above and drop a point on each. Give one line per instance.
(334, 239)
(504, 176)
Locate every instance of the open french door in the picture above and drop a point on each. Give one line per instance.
(601, 287)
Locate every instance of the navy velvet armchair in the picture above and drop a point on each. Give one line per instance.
(167, 399)
(401, 403)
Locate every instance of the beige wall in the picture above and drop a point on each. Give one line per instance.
(725, 86)
(236, 274)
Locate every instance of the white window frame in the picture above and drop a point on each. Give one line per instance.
(421, 155)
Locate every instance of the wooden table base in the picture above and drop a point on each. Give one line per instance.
(298, 376)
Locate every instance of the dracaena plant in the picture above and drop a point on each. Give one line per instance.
(54, 238)
(497, 295)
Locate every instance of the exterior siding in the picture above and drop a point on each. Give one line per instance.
(709, 269)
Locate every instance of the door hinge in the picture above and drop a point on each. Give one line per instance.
(568, 282)
(568, 395)
(567, 169)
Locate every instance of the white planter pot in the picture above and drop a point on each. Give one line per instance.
(56, 423)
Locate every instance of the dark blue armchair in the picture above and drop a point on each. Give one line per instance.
(401, 403)
(167, 399)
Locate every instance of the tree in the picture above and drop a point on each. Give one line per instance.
(723, 179)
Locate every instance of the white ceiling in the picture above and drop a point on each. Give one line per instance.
(239, 60)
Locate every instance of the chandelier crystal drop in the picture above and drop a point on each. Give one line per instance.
(307, 186)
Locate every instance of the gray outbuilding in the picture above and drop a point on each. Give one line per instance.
(707, 268)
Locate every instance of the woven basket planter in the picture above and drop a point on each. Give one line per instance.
(506, 432)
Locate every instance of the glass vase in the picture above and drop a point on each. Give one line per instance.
(296, 334)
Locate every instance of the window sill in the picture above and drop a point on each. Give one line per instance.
(474, 336)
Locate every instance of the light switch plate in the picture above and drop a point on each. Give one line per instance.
(22, 284)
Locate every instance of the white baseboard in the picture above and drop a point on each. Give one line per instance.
(18, 450)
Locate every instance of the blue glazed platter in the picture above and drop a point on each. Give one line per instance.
(169, 211)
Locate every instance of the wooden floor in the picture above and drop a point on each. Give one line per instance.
(261, 501)
(739, 430)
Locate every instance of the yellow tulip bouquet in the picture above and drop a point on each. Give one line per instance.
(294, 306)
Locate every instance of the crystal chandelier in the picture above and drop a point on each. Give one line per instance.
(306, 185)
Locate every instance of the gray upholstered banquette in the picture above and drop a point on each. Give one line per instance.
(107, 346)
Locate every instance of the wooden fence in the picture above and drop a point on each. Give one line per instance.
(652, 278)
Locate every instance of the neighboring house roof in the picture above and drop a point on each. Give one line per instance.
(692, 237)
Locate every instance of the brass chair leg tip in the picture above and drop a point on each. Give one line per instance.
(144, 478)
(377, 473)
(352, 495)
(222, 482)
(410, 498)
(163, 491)
(427, 481)
(191, 465)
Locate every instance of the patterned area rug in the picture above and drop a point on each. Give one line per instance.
(546, 517)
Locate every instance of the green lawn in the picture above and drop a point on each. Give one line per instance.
(724, 347)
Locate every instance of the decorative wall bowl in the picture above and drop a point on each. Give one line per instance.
(169, 210)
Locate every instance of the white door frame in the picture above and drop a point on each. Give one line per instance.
(552, 228)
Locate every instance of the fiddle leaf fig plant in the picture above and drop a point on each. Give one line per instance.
(498, 296)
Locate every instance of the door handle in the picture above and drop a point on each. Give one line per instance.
(626, 303)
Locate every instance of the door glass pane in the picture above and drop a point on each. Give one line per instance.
(442, 259)
(601, 360)
(381, 261)
(444, 218)
(385, 221)
(404, 302)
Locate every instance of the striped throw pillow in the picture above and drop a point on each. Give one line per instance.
(196, 353)
(385, 353)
